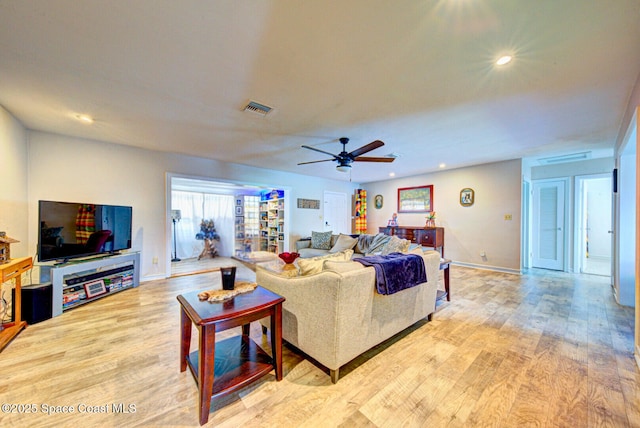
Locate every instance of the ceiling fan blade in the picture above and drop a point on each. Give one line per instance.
(324, 160)
(367, 148)
(321, 151)
(369, 159)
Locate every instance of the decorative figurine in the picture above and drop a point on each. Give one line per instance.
(394, 220)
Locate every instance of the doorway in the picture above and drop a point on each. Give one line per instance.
(212, 200)
(336, 213)
(593, 231)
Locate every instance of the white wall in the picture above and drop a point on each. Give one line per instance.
(78, 170)
(630, 123)
(468, 230)
(626, 285)
(13, 183)
(571, 169)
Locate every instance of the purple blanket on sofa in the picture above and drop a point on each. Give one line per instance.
(396, 271)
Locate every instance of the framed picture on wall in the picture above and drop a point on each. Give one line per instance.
(467, 196)
(415, 199)
(378, 201)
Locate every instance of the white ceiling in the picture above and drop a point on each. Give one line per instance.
(417, 74)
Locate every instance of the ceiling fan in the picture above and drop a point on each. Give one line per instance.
(345, 159)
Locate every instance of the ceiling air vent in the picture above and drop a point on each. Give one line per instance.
(573, 157)
(257, 108)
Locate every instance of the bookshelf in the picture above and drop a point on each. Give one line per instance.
(247, 226)
(272, 222)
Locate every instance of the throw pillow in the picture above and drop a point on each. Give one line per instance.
(396, 245)
(314, 264)
(321, 240)
(379, 241)
(344, 242)
(364, 241)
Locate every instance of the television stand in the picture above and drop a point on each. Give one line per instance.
(83, 281)
(67, 261)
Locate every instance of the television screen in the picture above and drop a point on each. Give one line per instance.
(69, 229)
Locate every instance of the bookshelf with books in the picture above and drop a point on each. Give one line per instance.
(272, 222)
(247, 226)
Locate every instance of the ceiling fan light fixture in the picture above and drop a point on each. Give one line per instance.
(345, 159)
(84, 118)
(504, 60)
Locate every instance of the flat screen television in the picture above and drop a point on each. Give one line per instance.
(70, 230)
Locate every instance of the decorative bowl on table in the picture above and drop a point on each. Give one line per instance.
(288, 257)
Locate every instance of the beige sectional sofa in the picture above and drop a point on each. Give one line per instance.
(335, 315)
(362, 245)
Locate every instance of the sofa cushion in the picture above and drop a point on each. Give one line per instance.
(306, 253)
(416, 250)
(321, 240)
(396, 245)
(341, 267)
(314, 264)
(303, 243)
(344, 242)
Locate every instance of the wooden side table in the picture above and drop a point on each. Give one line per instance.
(209, 249)
(14, 269)
(238, 360)
(444, 266)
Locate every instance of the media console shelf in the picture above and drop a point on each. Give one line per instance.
(77, 283)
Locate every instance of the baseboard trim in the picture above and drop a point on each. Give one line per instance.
(152, 277)
(486, 267)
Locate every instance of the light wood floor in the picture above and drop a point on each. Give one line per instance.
(543, 349)
(206, 264)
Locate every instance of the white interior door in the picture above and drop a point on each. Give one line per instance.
(548, 225)
(336, 213)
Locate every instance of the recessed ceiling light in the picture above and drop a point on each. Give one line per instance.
(392, 174)
(84, 118)
(442, 165)
(504, 60)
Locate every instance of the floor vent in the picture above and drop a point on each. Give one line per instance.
(257, 108)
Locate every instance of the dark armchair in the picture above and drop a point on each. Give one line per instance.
(96, 241)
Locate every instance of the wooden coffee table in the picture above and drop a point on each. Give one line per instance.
(238, 360)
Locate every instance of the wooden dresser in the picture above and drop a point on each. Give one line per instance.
(425, 236)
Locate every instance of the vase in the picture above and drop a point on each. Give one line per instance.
(288, 258)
